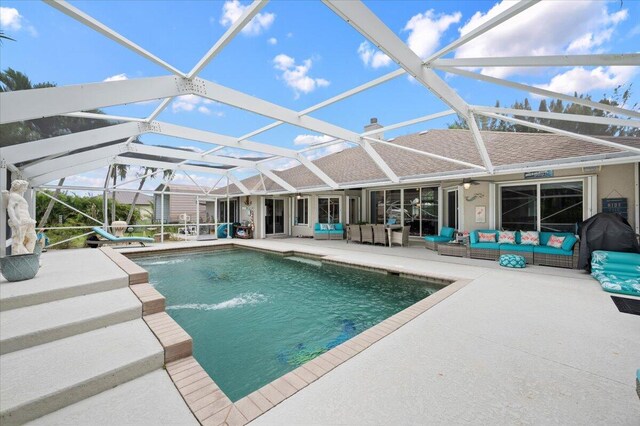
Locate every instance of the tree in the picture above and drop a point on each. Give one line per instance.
(4, 37)
(145, 171)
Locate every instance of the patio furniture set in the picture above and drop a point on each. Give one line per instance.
(539, 248)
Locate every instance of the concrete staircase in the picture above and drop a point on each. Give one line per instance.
(74, 348)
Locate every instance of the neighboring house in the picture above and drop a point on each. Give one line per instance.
(144, 203)
(541, 181)
(182, 199)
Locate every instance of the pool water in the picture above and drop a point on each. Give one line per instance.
(255, 316)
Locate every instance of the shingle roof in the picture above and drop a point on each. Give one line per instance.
(354, 166)
(127, 198)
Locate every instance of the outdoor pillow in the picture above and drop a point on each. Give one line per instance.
(486, 238)
(555, 241)
(331, 227)
(391, 221)
(569, 242)
(507, 237)
(531, 238)
(324, 227)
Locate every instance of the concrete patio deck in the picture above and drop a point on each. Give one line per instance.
(534, 346)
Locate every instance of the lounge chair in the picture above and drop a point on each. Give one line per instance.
(112, 239)
(431, 241)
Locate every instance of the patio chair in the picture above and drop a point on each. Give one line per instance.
(112, 239)
(379, 235)
(366, 234)
(400, 237)
(354, 234)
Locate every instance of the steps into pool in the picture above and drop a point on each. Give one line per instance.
(74, 347)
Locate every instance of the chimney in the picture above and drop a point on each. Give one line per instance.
(373, 125)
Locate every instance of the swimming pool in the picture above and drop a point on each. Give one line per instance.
(255, 316)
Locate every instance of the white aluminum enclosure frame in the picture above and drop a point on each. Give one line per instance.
(73, 100)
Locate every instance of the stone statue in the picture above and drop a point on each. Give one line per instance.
(23, 228)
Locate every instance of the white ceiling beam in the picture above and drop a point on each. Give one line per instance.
(61, 144)
(71, 160)
(618, 59)
(156, 112)
(23, 105)
(483, 28)
(409, 122)
(132, 161)
(190, 155)
(370, 26)
(477, 138)
(243, 101)
(95, 116)
(317, 171)
(607, 121)
(391, 175)
(251, 11)
(217, 139)
(95, 25)
(591, 139)
(250, 103)
(426, 154)
(546, 93)
(70, 171)
(238, 184)
(277, 179)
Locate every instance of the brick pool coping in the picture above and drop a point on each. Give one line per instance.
(202, 395)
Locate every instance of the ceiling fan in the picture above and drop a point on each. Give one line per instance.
(467, 182)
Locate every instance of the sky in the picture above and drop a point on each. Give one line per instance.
(299, 53)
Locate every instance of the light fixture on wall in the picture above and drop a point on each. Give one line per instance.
(466, 185)
(298, 196)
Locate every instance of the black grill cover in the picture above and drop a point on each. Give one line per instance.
(605, 231)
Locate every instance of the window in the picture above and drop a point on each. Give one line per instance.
(452, 208)
(222, 211)
(550, 207)
(329, 210)
(302, 211)
(377, 207)
(519, 207)
(413, 207)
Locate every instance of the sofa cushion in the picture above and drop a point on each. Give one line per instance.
(321, 231)
(447, 232)
(493, 246)
(569, 242)
(531, 238)
(507, 237)
(551, 250)
(473, 235)
(516, 247)
(555, 241)
(338, 227)
(437, 239)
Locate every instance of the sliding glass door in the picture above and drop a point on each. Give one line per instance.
(328, 209)
(274, 216)
(413, 207)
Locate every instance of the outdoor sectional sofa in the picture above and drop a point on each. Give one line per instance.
(565, 257)
(431, 241)
(333, 231)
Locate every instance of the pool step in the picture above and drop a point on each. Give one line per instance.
(176, 342)
(148, 400)
(45, 378)
(34, 325)
(92, 273)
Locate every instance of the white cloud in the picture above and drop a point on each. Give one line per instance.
(232, 10)
(426, 29)
(117, 77)
(310, 139)
(11, 19)
(548, 28)
(372, 57)
(272, 41)
(296, 76)
(193, 102)
(581, 80)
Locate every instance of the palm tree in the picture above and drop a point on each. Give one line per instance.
(4, 37)
(117, 171)
(145, 171)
